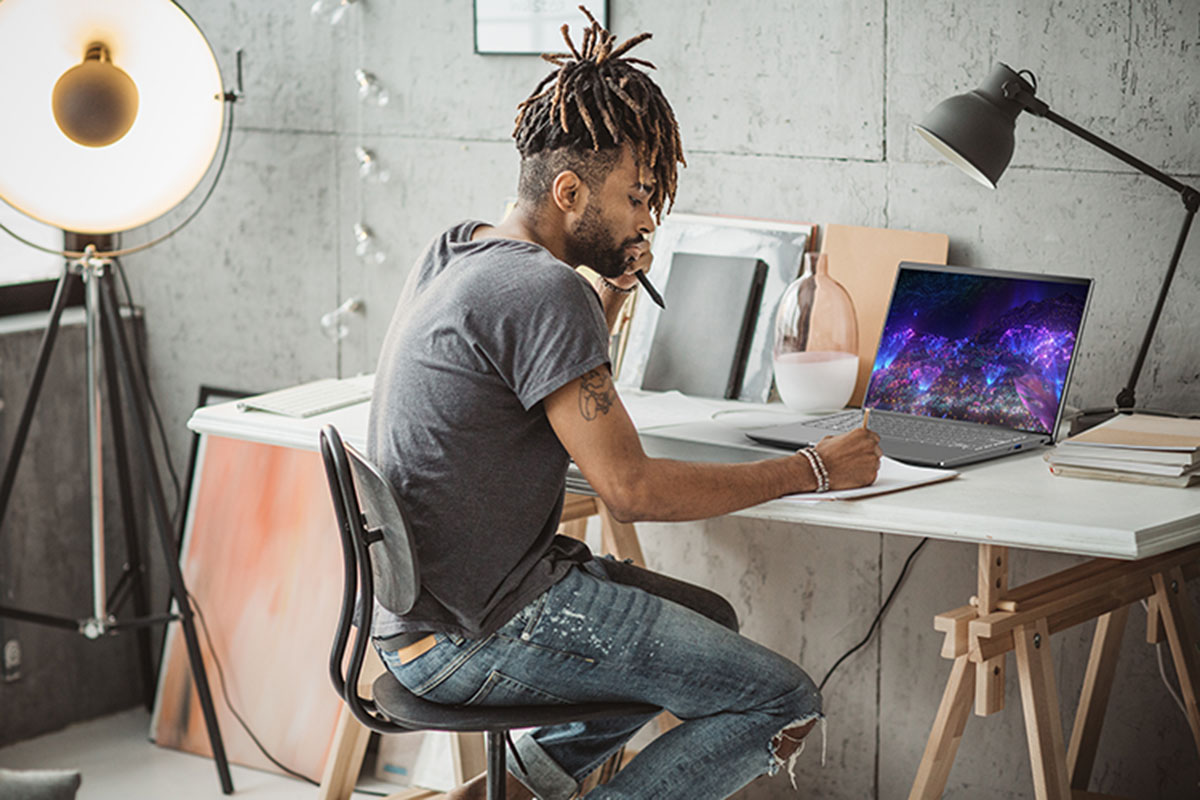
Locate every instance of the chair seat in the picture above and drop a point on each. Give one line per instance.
(405, 708)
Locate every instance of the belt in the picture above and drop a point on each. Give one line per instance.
(409, 645)
(401, 640)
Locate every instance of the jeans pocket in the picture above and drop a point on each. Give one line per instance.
(521, 624)
(502, 690)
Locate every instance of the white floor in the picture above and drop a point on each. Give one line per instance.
(118, 762)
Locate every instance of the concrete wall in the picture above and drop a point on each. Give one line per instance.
(790, 109)
(45, 549)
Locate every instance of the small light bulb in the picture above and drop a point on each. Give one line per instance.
(370, 90)
(335, 324)
(369, 168)
(367, 246)
(331, 11)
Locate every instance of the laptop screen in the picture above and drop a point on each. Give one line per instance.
(978, 345)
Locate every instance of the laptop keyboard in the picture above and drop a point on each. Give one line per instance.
(923, 430)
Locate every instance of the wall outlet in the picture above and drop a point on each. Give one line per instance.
(12, 660)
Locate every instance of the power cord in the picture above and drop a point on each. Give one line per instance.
(229, 703)
(875, 623)
(139, 352)
(236, 715)
(1162, 670)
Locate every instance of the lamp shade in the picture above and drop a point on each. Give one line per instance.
(974, 131)
(154, 96)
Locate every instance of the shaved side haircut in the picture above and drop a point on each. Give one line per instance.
(579, 116)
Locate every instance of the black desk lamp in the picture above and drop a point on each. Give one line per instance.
(974, 131)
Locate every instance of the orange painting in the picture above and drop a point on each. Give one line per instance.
(262, 559)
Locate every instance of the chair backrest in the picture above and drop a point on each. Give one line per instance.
(379, 560)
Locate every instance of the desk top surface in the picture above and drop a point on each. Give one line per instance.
(1012, 501)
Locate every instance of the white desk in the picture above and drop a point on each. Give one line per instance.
(1145, 540)
(1013, 501)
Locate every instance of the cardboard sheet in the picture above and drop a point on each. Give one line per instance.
(864, 260)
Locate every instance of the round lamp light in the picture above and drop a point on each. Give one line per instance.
(113, 110)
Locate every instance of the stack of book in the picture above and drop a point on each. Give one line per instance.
(1139, 448)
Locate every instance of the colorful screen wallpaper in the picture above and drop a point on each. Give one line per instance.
(980, 348)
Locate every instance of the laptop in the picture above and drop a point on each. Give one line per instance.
(972, 364)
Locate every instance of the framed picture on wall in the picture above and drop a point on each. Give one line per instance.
(529, 27)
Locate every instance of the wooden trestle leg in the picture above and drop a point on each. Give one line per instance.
(1179, 621)
(979, 635)
(1093, 698)
(947, 731)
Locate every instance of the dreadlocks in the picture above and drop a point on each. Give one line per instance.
(596, 101)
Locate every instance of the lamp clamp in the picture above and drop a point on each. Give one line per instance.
(90, 264)
(234, 94)
(1191, 199)
(1015, 90)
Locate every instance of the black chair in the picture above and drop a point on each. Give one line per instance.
(380, 561)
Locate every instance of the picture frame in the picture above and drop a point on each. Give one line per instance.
(528, 27)
(208, 396)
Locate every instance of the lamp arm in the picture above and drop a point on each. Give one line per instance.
(1039, 108)
(1125, 399)
(1191, 202)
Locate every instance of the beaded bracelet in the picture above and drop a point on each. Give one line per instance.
(612, 287)
(818, 467)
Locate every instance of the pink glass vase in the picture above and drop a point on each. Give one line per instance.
(816, 341)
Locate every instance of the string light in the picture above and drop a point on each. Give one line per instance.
(370, 90)
(366, 246)
(369, 167)
(331, 11)
(335, 324)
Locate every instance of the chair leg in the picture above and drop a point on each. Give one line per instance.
(497, 768)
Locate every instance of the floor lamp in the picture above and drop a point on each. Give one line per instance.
(113, 114)
(974, 131)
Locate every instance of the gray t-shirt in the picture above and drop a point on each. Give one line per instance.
(483, 331)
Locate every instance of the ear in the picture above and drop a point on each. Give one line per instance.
(569, 192)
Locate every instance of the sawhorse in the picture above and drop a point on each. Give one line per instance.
(999, 619)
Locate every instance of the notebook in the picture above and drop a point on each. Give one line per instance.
(702, 339)
(971, 364)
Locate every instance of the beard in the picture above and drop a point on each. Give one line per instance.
(590, 243)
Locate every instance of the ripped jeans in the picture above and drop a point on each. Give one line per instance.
(597, 636)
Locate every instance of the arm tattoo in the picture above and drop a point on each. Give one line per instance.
(596, 394)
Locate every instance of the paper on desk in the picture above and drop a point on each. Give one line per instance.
(893, 477)
(652, 409)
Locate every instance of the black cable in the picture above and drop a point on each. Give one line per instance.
(212, 651)
(878, 617)
(139, 352)
(229, 703)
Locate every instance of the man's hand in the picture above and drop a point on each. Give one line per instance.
(852, 459)
(638, 257)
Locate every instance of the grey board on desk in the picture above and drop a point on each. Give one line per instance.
(702, 337)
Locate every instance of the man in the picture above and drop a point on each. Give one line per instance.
(493, 374)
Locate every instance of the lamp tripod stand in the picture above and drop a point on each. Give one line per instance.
(108, 352)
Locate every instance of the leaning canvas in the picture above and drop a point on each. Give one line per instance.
(262, 559)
